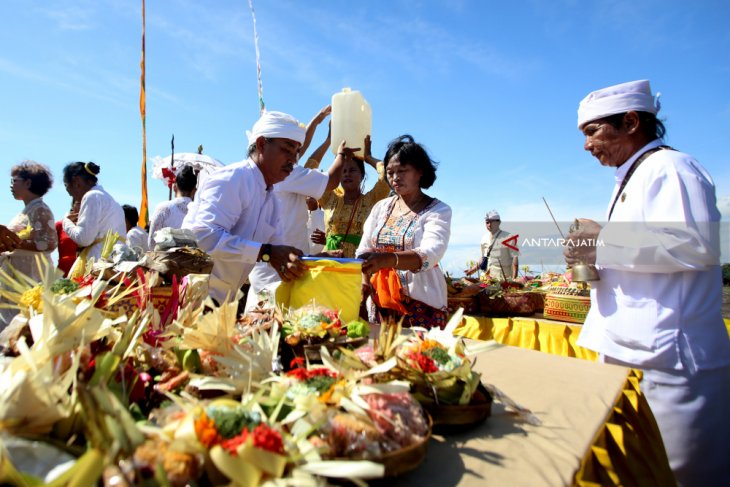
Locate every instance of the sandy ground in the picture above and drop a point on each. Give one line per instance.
(726, 301)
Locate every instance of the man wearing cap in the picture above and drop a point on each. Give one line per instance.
(498, 260)
(657, 305)
(235, 215)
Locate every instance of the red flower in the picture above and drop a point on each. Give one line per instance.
(299, 374)
(84, 281)
(264, 437)
(169, 175)
(297, 362)
(424, 362)
(303, 375)
(268, 439)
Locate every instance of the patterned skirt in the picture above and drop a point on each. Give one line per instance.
(418, 314)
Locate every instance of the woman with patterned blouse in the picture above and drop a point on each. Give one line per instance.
(404, 239)
(346, 208)
(34, 225)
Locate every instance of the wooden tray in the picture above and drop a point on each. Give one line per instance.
(455, 419)
(406, 459)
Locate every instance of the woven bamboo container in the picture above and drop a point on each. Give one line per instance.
(562, 307)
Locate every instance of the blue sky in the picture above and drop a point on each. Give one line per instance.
(490, 88)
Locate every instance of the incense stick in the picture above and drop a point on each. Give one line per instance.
(553, 217)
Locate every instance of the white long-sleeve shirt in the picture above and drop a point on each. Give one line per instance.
(98, 214)
(168, 214)
(658, 301)
(137, 237)
(233, 214)
(291, 194)
(428, 236)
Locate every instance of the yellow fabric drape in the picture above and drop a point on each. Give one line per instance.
(329, 283)
(628, 448)
(554, 338)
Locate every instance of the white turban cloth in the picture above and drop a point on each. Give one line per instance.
(626, 97)
(493, 215)
(277, 125)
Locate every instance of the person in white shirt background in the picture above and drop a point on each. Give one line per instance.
(497, 260)
(657, 305)
(98, 213)
(136, 236)
(170, 214)
(315, 221)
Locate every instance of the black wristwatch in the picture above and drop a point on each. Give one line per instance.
(265, 252)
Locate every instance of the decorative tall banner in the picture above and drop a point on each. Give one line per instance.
(262, 107)
(143, 207)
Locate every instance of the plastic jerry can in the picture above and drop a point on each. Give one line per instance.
(351, 120)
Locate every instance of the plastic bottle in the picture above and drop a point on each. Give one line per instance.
(351, 120)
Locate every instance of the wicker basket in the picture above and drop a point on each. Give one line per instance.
(507, 304)
(469, 303)
(406, 459)
(456, 419)
(572, 309)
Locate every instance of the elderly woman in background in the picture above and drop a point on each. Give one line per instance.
(98, 213)
(346, 207)
(404, 238)
(170, 214)
(34, 225)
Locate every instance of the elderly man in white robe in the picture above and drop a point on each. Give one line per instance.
(235, 215)
(292, 193)
(657, 305)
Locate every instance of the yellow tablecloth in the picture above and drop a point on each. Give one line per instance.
(549, 336)
(554, 337)
(627, 448)
(596, 429)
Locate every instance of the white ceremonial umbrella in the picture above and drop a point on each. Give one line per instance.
(165, 170)
(200, 162)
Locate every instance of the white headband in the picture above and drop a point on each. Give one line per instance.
(626, 97)
(277, 125)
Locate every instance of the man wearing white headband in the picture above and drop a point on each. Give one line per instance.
(235, 215)
(304, 181)
(657, 305)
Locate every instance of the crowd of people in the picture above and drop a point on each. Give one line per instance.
(656, 307)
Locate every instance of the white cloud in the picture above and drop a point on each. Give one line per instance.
(74, 18)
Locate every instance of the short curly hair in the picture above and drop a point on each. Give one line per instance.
(40, 177)
(411, 153)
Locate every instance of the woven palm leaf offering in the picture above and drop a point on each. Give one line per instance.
(345, 428)
(436, 365)
(507, 298)
(307, 329)
(224, 354)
